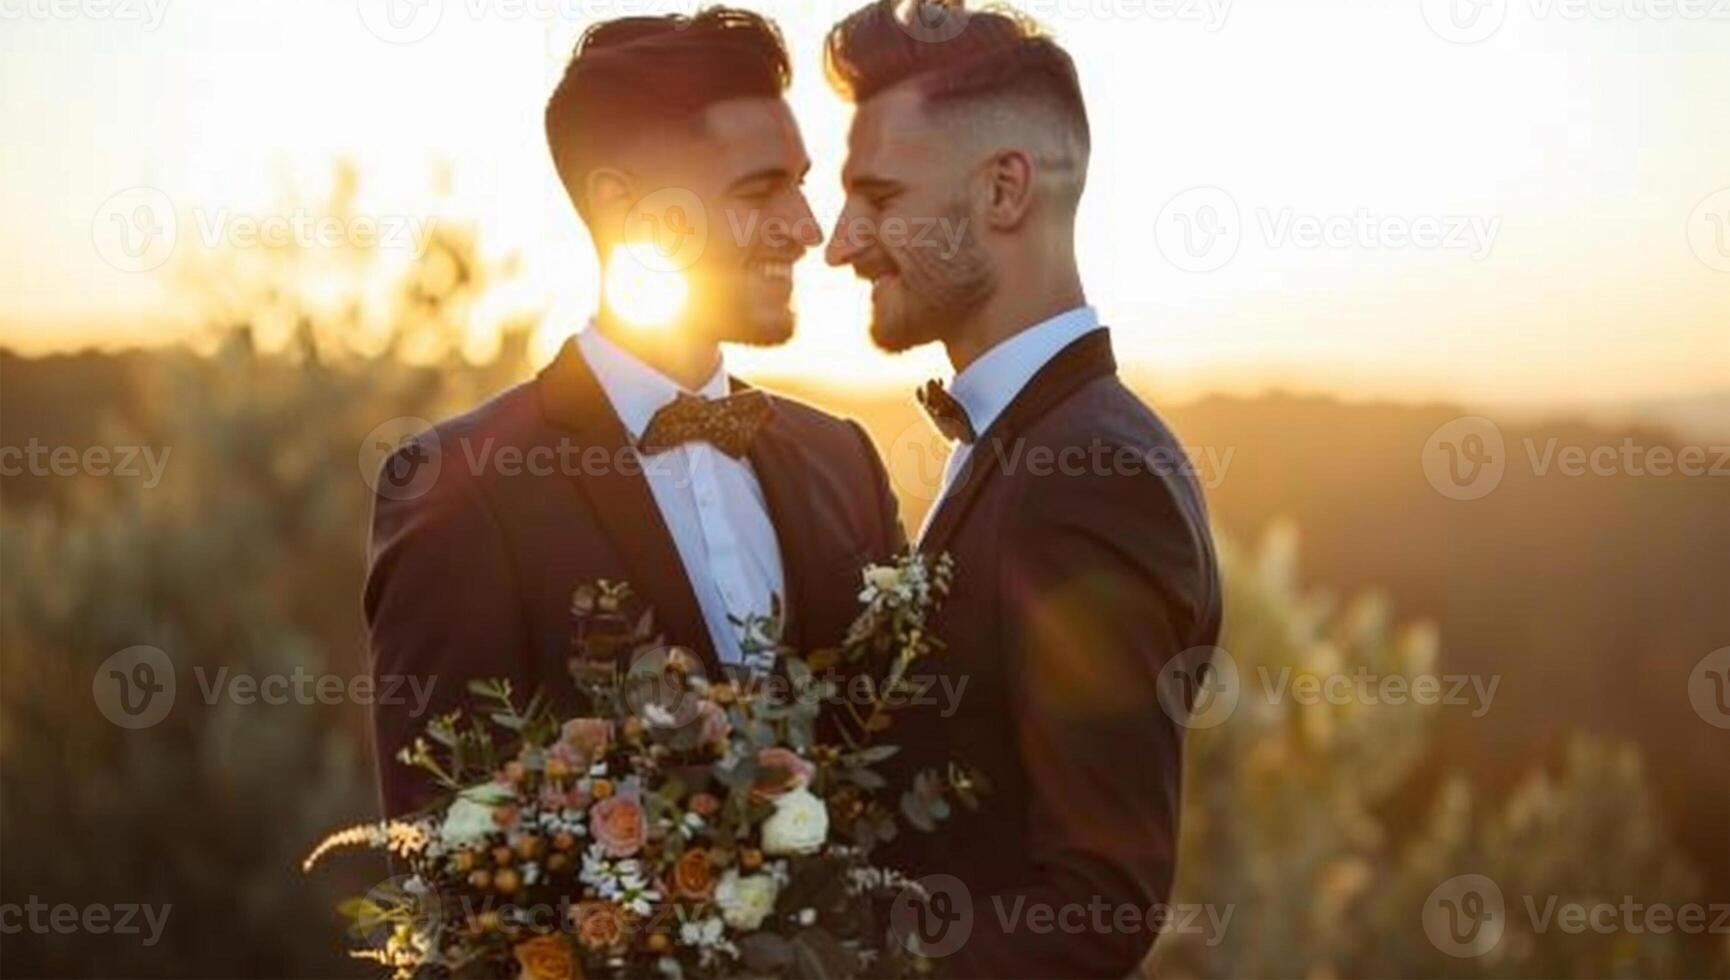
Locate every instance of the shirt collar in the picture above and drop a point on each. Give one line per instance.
(636, 390)
(992, 381)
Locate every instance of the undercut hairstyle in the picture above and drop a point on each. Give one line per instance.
(954, 56)
(639, 79)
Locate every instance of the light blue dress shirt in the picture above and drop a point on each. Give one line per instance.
(992, 381)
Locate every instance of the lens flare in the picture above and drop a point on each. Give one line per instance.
(641, 289)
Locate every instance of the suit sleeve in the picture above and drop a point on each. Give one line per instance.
(891, 537)
(442, 609)
(1103, 580)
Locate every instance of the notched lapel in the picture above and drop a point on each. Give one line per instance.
(1088, 357)
(622, 502)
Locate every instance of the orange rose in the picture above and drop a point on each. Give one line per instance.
(600, 925)
(546, 958)
(694, 875)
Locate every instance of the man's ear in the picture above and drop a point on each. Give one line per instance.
(1009, 178)
(608, 194)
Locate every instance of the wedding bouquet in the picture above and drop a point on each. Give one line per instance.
(678, 826)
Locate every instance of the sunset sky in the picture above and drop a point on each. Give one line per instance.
(1575, 165)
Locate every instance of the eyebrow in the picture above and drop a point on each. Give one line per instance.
(869, 183)
(767, 173)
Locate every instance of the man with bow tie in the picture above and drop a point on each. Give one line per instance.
(712, 499)
(1086, 600)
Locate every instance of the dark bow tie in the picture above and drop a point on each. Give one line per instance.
(946, 413)
(729, 424)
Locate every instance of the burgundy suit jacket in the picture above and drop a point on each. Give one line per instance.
(470, 573)
(1080, 574)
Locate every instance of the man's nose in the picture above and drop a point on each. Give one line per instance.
(843, 248)
(806, 230)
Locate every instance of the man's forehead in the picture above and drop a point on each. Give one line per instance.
(893, 128)
(753, 125)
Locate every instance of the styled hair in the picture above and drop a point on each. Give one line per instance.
(952, 54)
(637, 78)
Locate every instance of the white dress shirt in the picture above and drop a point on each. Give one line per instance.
(711, 502)
(992, 381)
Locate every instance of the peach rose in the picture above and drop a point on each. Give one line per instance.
(617, 824)
(793, 773)
(589, 736)
(546, 958)
(694, 875)
(599, 925)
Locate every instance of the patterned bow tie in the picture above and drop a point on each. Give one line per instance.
(946, 413)
(729, 424)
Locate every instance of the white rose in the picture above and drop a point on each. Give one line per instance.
(745, 901)
(883, 578)
(798, 825)
(467, 820)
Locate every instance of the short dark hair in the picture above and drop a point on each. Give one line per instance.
(634, 77)
(952, 53)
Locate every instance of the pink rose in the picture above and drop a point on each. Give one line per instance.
(793, 774)
(617, 824)
(590, 737)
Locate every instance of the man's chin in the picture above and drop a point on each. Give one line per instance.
(894, 335)
(763, 330)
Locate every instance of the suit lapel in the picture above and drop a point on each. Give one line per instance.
(623, 504)
(1087, 358)
(781, 470)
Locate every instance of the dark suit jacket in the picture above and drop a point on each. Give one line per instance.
(471, 575)
(1080, 573)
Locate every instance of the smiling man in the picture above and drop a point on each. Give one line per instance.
(711, 498)
(1087, 598)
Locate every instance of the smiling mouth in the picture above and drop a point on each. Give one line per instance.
(775, 271)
